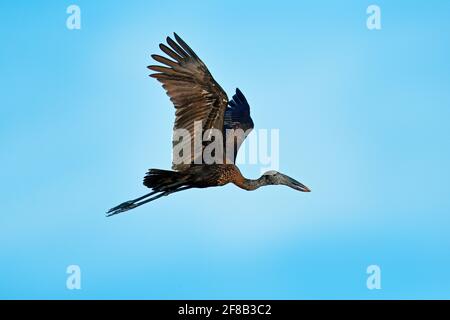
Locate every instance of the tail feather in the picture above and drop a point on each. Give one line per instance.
(163, 180)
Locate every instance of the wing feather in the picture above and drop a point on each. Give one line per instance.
(193, 91)
(237, 116)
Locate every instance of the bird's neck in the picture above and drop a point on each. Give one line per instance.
(249, 184)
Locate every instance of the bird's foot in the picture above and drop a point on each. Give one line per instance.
(125, 206)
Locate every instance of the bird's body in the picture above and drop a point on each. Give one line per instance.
(195, 176)
(200, 103)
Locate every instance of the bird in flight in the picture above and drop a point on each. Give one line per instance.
(199, 99)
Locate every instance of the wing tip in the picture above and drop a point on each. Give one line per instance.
(178, 38)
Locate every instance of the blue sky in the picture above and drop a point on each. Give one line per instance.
(363, 119)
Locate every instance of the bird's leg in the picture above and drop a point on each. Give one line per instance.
(136, 202)
(165, 193)
(127, 205)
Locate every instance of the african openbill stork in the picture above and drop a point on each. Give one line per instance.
(198, 97)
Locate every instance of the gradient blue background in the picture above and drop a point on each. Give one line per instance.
(363, 118)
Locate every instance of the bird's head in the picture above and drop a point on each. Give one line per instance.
(274, 177)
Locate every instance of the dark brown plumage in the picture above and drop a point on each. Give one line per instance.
(194, 93)
(196, 96)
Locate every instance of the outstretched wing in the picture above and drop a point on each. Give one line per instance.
(237, 116)
(193, 91)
